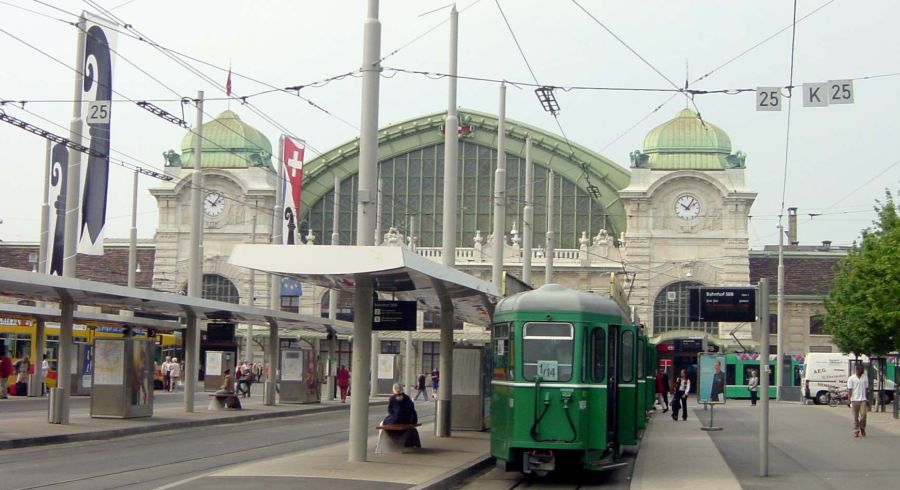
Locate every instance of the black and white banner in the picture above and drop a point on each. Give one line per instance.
(96, 100)
(56, 197)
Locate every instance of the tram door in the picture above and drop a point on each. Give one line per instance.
(627, 388)
(612, 384)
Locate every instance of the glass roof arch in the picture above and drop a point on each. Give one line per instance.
(410, 156)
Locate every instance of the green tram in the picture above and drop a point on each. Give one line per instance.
(571, 381)
(739, 365)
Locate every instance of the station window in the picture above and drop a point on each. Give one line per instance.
(627, 356)
(816, 325)
(431, 356)
(547, 346)
(598, 355)
(390, 346)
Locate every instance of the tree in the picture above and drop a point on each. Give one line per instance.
(863, 306)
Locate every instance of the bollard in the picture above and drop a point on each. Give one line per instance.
(54, 414)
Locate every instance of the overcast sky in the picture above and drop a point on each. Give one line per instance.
(840, 158)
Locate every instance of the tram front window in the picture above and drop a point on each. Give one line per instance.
(547, 350)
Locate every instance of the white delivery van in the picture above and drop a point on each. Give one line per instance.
(823, 371)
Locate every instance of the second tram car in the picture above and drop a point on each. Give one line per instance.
(570, 381)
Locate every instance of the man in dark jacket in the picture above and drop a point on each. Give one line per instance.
(717, 392)
(662, 389)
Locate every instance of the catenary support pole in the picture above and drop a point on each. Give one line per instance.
(528, 214)
(70, 242)
(442, 418)
(36, 385)
(408, 362)
(132, 238)
(45, 213)
(365, 218)
(334, 293)
(271, 356)
(763, 319)
(499, 193)
(779, 338)
(451, 152)
(551, 224)
(195, 278)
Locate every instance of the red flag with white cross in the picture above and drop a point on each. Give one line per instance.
(293, 178)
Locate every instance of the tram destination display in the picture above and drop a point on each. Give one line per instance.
(723, 304)
(394, 315)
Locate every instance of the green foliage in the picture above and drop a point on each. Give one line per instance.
(863, 306)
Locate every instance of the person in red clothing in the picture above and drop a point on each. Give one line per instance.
(343, 381)
(6, 370)
(662, 389)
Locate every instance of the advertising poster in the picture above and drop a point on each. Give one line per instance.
(213, 363)
(385, 366)
(109, 357)
(87, 366)
(291, 366)
(711, 379)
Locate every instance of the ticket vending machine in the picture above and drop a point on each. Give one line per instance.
(300, 382)
(122, 379)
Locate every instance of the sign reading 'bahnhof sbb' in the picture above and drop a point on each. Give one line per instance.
(723, 304)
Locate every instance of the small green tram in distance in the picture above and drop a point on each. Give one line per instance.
(571, 381)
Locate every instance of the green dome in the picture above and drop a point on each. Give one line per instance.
(687, 142)
(228, 142)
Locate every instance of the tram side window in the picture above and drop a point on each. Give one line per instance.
(627, 356)
(598, 355)
(731, 374)
(547, 346)
(501, 354)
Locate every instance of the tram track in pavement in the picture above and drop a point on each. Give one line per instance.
(168, 469)
(497, 479)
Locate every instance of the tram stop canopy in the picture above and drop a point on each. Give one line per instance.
(397, 270)
(43, 287)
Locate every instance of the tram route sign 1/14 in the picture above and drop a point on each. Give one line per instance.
(723, 304)
(394, 315)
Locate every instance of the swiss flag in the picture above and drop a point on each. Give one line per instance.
(293, 171)
(228, 84)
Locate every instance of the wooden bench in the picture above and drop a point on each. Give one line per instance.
(219, 401)
(393, 438)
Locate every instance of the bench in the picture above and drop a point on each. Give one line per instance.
(220, 401)
(392, 438)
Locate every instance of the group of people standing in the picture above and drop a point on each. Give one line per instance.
(680, 388)
(171, 371)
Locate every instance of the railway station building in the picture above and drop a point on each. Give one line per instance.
(674, 216)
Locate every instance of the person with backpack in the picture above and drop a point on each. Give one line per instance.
(245, 379)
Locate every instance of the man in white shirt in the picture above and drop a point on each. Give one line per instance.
(166, 370)
(45, 370)
(858, 386)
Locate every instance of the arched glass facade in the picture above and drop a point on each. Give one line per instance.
(413, 183)
(219, 288)
(671, 310)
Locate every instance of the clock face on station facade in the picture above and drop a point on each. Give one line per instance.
(213, 205)
(687, 207)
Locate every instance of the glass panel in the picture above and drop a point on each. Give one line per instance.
(730, 374)
(816, 325)
(500, 351)
(627, 356)
(550, 345)
(671, 308)
(598, 355)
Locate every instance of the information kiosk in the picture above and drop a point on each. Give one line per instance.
(122, 384)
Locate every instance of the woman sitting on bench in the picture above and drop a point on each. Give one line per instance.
(401, 409)
(228, 389)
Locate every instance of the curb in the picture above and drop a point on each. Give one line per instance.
(449, 479)
(114, 433)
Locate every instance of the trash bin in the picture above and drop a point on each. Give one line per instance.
(55, 413)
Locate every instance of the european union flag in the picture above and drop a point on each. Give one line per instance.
(291, 287)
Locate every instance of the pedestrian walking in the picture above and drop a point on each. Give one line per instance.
(166, 373)
(662, 389)
(245, 379)
(682, 389)
(45, 371)
(174, 374)
(6, 370)
(858, 386)
(420, 387)
(435, 381)
(343, 381)
(753, 386)
(23, 369)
